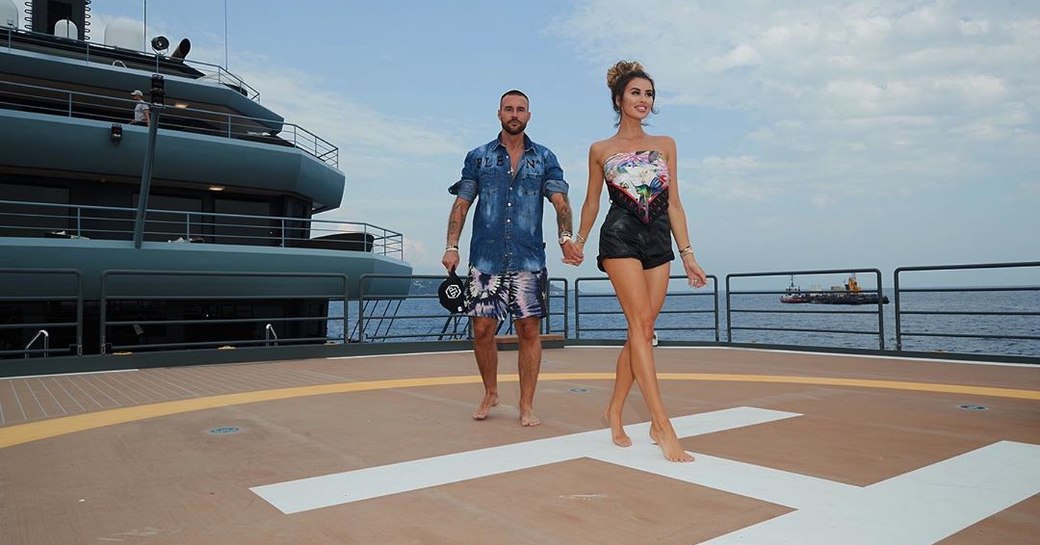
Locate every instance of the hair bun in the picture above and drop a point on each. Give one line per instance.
(619, 70)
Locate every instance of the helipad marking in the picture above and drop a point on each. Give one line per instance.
(351, 486)
(54, 427)
(921, 507)
(917, 508)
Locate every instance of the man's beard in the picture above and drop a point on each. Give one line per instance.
(509, 129)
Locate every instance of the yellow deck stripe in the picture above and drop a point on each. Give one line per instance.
(34, 431)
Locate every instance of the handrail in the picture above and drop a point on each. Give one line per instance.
(102, 53)
(46, 342)
(190, 226)
(51, 291)
(269, 332)
(665, 312)
(217, 294)
(220, 124)
(1021, 342)
(422, 307)
(901, 313)
(878, 311)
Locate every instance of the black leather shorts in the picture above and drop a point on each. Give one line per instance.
(623, 235)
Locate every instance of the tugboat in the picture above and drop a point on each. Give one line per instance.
(793, 294)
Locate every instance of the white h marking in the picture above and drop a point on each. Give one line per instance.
(919, 507)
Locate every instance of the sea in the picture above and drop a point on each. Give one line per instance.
(972, 322)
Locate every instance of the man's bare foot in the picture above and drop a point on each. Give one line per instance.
(528, 419)
(617, 430)
(490, 400)
(670, 446)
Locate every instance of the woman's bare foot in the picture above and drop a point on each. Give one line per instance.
(670, 446)
(617, 430)
(490, 400)
(528, 419)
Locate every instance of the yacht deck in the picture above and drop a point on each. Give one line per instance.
(791, 448)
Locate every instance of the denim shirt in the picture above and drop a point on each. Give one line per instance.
(507, 223)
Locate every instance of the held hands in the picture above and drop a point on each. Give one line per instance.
(573, 252)
(694, 273)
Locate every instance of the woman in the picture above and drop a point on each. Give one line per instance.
(635, 241)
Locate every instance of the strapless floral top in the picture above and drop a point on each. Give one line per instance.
(638, 181)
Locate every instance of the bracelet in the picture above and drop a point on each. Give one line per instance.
(451, 248)
(688, 250)
(579, 239)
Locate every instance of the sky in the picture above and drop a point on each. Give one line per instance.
(811, 135)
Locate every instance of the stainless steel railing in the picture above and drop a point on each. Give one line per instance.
(37, 219)
(755, 313)
(61, 102)
(87, 52)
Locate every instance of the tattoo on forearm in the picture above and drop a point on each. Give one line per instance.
(564, 220)
(455, 221)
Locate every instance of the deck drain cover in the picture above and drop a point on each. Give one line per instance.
(578, 390)
(224, 430)
(972, 407)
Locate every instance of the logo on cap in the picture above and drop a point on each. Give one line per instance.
(452, 293)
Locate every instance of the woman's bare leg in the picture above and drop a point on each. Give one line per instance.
(657, 285)
(622, 384)
(633, 292)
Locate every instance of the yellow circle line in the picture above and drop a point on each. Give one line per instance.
(35, 431)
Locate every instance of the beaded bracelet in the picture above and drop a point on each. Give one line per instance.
(451, 248)
(688, 250)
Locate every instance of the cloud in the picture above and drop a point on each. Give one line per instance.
(903, 97)
(311, 103)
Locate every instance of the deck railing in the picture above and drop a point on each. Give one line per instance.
(966, 321)
(58, 288)
(681, 317)
(219, 124)
(419, 317)
(216, 288)
(415, 315)
(50, 220)
(823, 322)
(89, 52)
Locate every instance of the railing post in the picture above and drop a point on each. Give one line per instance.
(577, 309)
(715, 298)
(729, 306)
(361, 310)
(880, 310)
(346, 306)
(899, 329)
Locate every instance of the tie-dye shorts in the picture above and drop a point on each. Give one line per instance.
(520, 294)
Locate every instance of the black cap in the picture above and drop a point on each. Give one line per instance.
(452, 293)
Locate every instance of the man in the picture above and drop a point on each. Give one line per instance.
(508, 178)
(142, 115)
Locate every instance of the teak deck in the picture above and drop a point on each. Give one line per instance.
(791, 448)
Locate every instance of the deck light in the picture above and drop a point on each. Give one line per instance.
(216, 188)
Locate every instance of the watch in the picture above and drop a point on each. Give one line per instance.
(564, 238)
